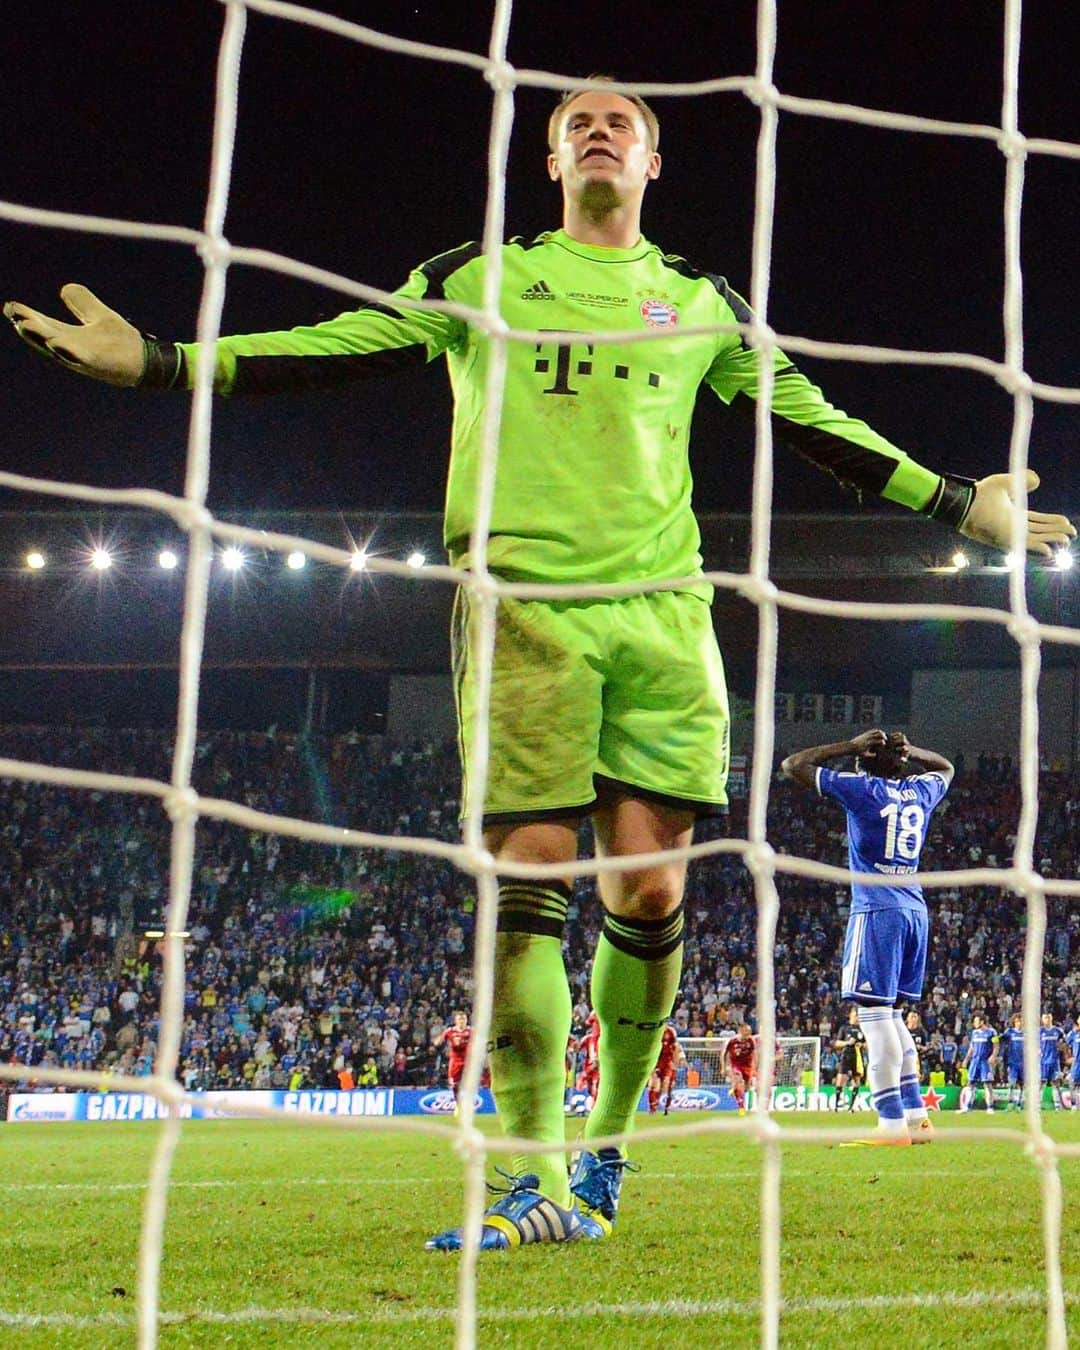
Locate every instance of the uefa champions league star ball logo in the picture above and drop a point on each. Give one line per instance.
(659, 314)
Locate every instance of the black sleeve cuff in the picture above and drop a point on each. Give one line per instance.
(163, 363)
(952, 500)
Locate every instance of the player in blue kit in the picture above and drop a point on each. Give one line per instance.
(979, 1061)
(1013, 1041)
(888, 810)
(1051, 1038)
(1072, 1041)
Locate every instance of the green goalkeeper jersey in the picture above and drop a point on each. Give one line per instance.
(593, 479)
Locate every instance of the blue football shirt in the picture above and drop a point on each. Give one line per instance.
(887, 820)
(1014, 1047)
(982, 1045)
(1050, 1039)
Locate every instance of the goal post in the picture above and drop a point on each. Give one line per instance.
(798, 1061)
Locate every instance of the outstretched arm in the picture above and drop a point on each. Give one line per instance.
(372, 340)
(801, 765)
(804, 420)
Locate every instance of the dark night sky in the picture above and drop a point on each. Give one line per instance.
(367, 163)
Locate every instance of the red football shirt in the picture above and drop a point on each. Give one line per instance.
(741, 1054)
(458, 1041)
(669, 1049)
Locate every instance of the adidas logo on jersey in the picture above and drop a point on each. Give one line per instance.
(540, 290)
(866, 985)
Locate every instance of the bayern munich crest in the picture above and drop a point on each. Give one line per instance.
(659, 314)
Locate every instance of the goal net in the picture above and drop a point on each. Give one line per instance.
(797, 1063)
(756, 851)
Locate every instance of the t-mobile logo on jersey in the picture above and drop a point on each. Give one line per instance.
(576, 360)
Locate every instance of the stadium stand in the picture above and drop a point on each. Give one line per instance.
(306, 963)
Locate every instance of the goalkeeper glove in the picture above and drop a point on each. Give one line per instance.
(102, 344)
(982, 510)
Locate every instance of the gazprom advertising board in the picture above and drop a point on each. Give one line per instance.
(106, 1106)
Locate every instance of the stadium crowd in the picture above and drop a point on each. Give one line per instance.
(310, 965)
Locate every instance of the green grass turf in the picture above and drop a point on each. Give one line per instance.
(330, 1220)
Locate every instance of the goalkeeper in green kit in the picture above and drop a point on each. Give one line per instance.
(614, 709)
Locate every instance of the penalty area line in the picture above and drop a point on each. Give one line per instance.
(973, 1298)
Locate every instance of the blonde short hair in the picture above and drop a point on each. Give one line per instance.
(652, 124)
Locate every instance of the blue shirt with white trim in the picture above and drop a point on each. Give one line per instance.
(983, 1040)
(1014, 1047)
(1050, 1039)
(887, 819)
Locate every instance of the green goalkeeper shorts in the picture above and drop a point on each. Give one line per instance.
(628, 692)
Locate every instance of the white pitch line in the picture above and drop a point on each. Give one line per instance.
(219, 1183)
(358, 1183)
(787, 1172)
(728, 1307)
(214, 1184)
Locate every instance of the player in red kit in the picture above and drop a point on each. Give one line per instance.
(589, 1076)
(571, 1070)
(456, 1039)
(740, 1057)
(663, 1076)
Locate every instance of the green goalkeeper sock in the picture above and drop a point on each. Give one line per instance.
(635, 978)
(530, 1026)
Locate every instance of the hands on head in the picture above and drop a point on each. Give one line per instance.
(867, 743)
(892, 747)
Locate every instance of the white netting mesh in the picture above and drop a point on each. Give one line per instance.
(185, 807)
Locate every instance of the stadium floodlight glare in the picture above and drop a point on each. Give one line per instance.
(101, 560)
(416, 559)
(1010, 561)
(233, 558)
(296, 561)
(358, 561)
(960, 560)
(35, 560)
(167, 560)
(1063, 559)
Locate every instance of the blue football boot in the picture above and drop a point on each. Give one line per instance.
(521, 1216)
(596, 1181)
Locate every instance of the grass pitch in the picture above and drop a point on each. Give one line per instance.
(286, 1235)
